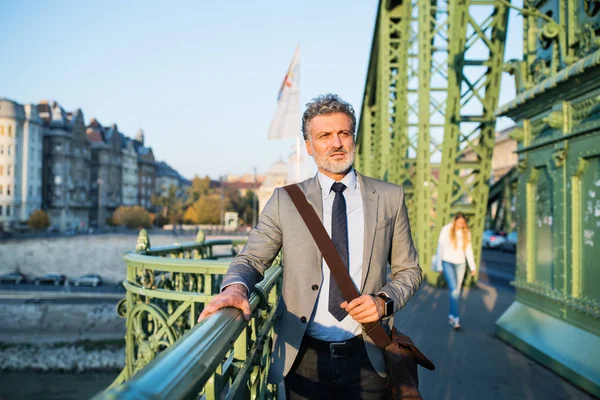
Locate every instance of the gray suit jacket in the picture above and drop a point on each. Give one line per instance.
(388, 241)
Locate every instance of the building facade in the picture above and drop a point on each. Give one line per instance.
(504, 157)
(106, 171)
(66, 167)
(166, 178)
(129, 172)
(79, 175)
(146, 172)
(20, 163)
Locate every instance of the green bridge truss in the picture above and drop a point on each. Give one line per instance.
(428, 114)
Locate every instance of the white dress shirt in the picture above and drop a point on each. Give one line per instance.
(323, 325)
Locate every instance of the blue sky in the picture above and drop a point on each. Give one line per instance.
(200, 77)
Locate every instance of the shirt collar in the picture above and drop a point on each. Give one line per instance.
(326, 182)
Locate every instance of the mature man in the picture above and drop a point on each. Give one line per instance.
(320, 348)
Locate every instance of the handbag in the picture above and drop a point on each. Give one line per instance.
(401, 354)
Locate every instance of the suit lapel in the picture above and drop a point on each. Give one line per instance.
(314, 196)
(313, 193)
(370, 200)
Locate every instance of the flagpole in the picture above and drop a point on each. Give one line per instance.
(286, 121)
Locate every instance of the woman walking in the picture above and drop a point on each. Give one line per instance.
(453, 253)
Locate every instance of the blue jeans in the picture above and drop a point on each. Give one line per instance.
(454, 274)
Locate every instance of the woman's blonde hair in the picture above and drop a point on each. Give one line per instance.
(466, 233)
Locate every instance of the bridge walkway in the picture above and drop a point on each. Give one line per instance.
(473, 363)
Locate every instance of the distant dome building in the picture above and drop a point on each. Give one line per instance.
(277, 176)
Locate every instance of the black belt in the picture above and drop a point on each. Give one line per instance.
(354, 346)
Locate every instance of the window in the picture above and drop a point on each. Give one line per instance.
(8, 169)
(8, 191)
(8, 209)
(8, 149)
(1, 149)
(9, 135)
(1, 189)
(1, 170)
(0, 211)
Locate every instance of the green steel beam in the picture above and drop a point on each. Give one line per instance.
(428, 102)
(473, 90)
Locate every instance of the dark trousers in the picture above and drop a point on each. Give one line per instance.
(324, 370)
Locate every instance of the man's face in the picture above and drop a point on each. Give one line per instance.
(331, 143)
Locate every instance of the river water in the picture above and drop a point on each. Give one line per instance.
(53, 385)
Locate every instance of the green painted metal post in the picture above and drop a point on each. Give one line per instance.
(555, 318)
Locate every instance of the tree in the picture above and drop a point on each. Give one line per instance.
(200, 187)
(207, 210)
(132, 217)
(38, 220)
(170, 207)
(242, 205)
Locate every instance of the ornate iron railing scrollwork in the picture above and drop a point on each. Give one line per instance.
(167, 288)
(222, 357)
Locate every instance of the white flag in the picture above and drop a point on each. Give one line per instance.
(286, 122)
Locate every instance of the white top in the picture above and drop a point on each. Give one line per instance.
(455, 255)
(323, 325)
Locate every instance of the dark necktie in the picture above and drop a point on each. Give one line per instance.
(339, 236)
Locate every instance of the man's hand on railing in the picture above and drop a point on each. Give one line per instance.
(235, 295)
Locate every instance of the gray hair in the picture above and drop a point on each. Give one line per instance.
(326, 104)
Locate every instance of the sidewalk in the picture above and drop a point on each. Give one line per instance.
(472, 363)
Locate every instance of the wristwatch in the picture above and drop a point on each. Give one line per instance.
(388, 306)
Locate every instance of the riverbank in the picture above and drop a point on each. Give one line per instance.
(61, 338)
(63, 357)
(59, 323)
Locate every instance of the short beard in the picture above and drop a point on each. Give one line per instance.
(333, 167)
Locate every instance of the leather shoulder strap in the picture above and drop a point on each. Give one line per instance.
(334, 261)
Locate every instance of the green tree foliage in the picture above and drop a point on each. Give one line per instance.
(132, 217)
(200, 187)
(38, 220)
(207, 210)
(242, 205)
(203, 203)
(170, 207)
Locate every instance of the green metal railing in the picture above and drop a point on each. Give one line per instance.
(169, 355)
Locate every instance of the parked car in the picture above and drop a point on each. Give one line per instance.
(13, 277)
(51, 279)
(492, 240)
(510, 244)
(88, 280)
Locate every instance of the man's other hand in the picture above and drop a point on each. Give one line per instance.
(235, 295)
(364, 309)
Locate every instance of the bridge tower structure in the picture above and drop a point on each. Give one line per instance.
(428, 113)
(555, 318)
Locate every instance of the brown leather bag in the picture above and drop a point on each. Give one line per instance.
(401, 354)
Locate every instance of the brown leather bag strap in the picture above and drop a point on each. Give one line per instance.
(334, 261)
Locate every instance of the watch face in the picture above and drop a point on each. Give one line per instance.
(389, 308)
